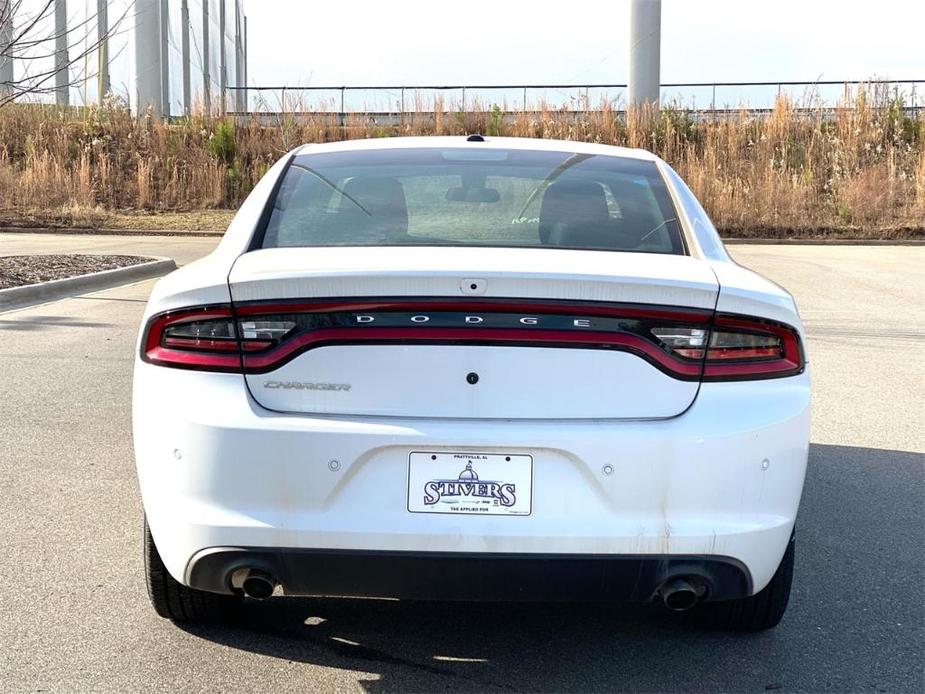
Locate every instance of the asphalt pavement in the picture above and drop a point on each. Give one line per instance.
(74, 615)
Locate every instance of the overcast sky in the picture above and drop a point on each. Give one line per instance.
(303, 42)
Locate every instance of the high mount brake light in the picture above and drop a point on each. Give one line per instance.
(683, 343)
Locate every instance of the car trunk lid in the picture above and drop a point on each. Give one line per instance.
(470, 332)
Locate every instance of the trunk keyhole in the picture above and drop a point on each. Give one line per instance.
(472, 378)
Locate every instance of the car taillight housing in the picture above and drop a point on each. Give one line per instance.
(738, 348)
(208, 338)
(688, 344)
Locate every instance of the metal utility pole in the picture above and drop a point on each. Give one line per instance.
(102, 35)
(62, 81)
(6, 39)
(187, 89)
(223, 60)
(645, 52)
(164, 16)
(238, 58)
(148, 80)
(207, 66)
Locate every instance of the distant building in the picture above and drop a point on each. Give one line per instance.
(175, 57)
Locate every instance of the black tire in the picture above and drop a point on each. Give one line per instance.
(761, 611)
(176, 602)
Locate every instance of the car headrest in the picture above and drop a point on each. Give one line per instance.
(572, 203)
(383, 197)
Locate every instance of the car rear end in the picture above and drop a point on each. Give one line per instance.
(425, 373)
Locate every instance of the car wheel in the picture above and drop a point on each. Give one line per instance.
(175, 601)
(761, 611)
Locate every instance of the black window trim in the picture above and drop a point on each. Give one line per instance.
(263, 222)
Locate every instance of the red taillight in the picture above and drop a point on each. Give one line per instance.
(683, 343)
(737, 348)
(199, 338)
(744, 348)
(207, 339)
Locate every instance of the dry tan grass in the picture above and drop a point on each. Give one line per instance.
(859, 171)
(97, 218)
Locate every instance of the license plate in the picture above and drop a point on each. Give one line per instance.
(495, 484)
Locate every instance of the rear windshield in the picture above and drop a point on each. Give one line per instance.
(473, 197)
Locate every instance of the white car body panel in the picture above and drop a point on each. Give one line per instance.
(524, 273)
(694, 484)
(748, 293)
(627, 460)
(600, 384)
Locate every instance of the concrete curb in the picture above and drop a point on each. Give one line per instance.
(823, 242)
(107, 232)
(218, 234)
(31, 294)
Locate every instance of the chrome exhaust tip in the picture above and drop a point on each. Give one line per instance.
(258, 585)
(680, 594)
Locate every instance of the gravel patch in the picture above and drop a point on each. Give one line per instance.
(19, 270)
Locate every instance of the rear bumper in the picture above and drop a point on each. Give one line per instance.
(722, 481)
(465, 576)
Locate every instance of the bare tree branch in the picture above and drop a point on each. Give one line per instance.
(27, 41)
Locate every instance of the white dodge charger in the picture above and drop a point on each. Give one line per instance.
(471, 368)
